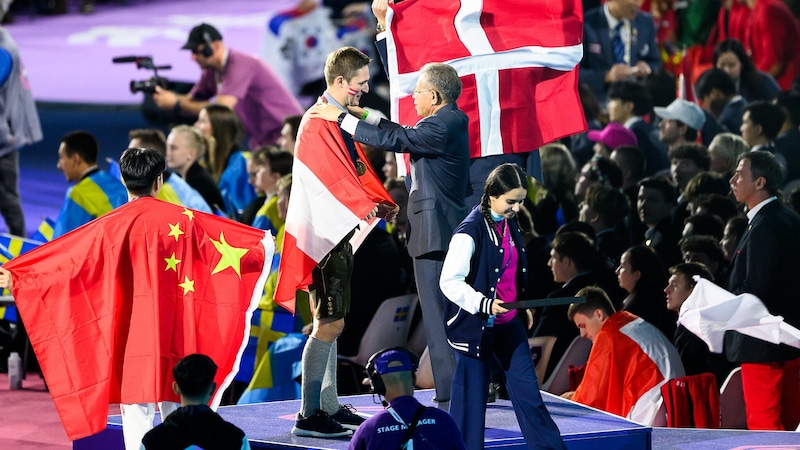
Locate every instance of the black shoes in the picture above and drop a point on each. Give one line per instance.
(320, 425)
(347, 417)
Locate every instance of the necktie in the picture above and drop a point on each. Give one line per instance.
(619, 45)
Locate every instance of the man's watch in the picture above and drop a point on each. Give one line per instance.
(380, 28)
(341, 118)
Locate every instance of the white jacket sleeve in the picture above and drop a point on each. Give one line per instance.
(454, 274)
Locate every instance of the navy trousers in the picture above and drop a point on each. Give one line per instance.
(508, 344)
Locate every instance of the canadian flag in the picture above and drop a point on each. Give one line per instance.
(327, 201)
(518, 63)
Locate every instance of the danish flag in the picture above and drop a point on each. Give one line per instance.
(518, 63)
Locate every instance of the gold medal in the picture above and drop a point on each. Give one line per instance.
(361, 168)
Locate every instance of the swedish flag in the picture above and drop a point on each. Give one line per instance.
(45, 231)
(10, 247)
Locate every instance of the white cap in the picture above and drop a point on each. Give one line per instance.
(683, 111)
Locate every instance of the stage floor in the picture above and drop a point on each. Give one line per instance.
(268, 426)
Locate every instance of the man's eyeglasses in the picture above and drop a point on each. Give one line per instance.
(419, 91)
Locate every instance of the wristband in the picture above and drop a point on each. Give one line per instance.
(364, 116)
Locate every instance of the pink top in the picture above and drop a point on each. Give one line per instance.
(507, 286)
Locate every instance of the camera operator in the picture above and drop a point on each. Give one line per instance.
(238, 80)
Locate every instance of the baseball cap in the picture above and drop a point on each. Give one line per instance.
(196, 37)
(683, 111)
(393, 361)
(614, 135)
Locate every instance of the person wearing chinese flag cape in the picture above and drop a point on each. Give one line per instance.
(112, 306)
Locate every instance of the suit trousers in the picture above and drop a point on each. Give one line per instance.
(772, 395)
(10, 203)
(508, 344)
(427, 272)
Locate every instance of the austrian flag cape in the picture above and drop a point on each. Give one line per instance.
(112, 306)
(518, 63)
(328, 200)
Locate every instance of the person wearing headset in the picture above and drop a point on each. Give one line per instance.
(405, 423)
(240, 81)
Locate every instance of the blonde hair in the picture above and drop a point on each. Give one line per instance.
(195, 140)
(731, 147)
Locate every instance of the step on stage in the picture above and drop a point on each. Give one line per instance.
(268, 426)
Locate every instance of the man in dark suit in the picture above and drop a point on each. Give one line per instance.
(619, 43)
(765, 265)
(439, 150)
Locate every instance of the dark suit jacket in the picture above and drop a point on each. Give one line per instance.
(199, 178)
(788, 145)
(765, 264)
(731, 115)
(598, 50)
(655, 152)
(439, 149)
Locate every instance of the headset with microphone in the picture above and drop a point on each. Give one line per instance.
(207, 50)
(378, 386)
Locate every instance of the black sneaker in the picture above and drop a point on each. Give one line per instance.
(348, 418)
(319, 425)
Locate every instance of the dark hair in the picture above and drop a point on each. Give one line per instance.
(765, 164)
(227, 131)
(83, 143)
(591, 106)
(596, 298)
(653, 276)
(706, 245)
(140, 167)
(631, 91)
(738, 225)
(194, 375)
(344, 62)
(790, 102)
(694, 151)
(280, 161)
(663, 185)
(502, 179)
(294, 122)
(150, 138)
(719, 205)
(631, 157)
(714, 79)
(661, 86)
(690, 269)
(605, 171)
(611, 204)
(706, 225)
(576, 226)
(749, 75)
(769, 116)
(705, 183)
(578, 247)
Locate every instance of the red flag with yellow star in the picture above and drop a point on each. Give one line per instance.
(111, 307)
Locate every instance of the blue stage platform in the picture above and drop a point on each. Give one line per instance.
(268, 426)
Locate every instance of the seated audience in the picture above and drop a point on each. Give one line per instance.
(629, 362)
(751, 83)
(656, 201)
(610, 138)
(734, 230)
(555, 202)
(694, 353)
(716, 93)
(598, 171)
(605, 209)
(643, 276)
(707, 251)
(724, 151)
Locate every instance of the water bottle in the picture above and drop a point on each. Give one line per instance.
(14, 371)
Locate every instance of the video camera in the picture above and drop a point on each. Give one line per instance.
(145, 62)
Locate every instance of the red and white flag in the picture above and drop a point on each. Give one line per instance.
(328, 200)
(518, 63)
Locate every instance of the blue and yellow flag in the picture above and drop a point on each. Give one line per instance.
(45, 231)
(10, 247)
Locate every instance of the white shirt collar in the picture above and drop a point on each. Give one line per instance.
(752, 213)
(612, 21)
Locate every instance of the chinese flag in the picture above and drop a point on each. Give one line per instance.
(112, 306)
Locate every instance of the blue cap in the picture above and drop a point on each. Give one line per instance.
(393, 361)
